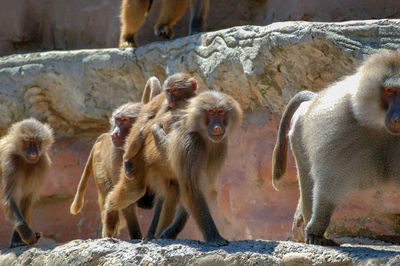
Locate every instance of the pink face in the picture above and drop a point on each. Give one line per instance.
(391, 104)
(122, 128)
(31, 150)
(216, 121)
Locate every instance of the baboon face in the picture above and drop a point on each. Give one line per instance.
(31, 150)
(391, 104)
(216, 122)
(122, 127)
(179, 86)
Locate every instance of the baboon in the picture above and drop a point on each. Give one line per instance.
(105, 160)
(133, 13)
(24, 165)
(142, 159)
(344, 137)
(196, 148)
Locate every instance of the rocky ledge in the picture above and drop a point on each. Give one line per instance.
(109, 251)
(259, 65)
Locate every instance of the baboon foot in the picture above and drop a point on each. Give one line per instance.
(164, 32)
(320, 240)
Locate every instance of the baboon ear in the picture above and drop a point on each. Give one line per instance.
(194, 82)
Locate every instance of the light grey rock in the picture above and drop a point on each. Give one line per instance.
(109, 251)
(75, 91)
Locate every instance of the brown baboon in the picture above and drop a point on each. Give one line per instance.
(142, 158)
(24, 165)
(345, 137)
(196, 148)
(105, 160)
(133, 13)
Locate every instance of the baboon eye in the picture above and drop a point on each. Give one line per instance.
(389, 91)
(210, 112)
(221, 112)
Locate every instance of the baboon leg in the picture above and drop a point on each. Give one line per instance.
(195, 202)
(323, 205)
(132, 222)
(133, 13)
(198, 10)
(177, 225)
(156, 217)
(21, 226)
(168, 209)
(171, 12)
(123, 194)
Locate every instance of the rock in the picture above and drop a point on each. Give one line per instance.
(187, 252)
(262, 67)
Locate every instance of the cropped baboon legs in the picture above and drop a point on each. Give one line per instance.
(171, 12)
(198, 10)
(133, 13)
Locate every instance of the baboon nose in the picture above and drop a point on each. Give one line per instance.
(32, 156)
(396, 122)
(217, 130)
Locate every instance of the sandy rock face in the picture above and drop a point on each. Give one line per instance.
(262, 67)
(113, 252)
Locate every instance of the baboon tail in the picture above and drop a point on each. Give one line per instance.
(77, 204)
(279, 156)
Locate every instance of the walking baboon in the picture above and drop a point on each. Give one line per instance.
(143, 162)
(105, 160)
(196, 148)
(345, 137)
(24, 165)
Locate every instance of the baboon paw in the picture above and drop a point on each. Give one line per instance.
(148, 238)
(217, 242)
(320, 240)
(17, 244)
(127, 45)
(164, 32)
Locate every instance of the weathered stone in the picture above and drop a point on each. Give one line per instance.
(260, 66)
(109, 252)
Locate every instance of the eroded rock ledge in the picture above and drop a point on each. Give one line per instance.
(260, 66)
(188, 252)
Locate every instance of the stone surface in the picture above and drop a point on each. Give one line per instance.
(262, 67)
(29, 25)
(109, 251)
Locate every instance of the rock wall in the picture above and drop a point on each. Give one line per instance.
(29, 25)
(109, 251)
(262, 67)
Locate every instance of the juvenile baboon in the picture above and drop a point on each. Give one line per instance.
(105, 160)
(177, 88)
(196, 148)
(142, 159)
(24, 165)
(133, 13)
(345, 137)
